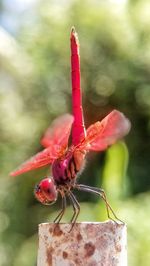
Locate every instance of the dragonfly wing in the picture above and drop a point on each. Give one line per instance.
(40, 159)
(54, 140)
(58, 133)
(103, 134)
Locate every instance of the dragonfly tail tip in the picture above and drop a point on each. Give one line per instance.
(73, 29)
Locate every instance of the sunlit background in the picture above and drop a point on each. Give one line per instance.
(35, 88)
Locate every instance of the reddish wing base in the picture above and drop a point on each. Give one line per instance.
(56, 139)
(40, 159)
(58, 132)
(103, 134)
(99, 136)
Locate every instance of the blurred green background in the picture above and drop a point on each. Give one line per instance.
(35, 88)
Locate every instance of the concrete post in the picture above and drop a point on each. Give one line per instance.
(88, 244)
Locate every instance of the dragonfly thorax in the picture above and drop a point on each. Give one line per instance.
(66, 168)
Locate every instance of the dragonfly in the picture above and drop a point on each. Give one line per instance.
(67, 161)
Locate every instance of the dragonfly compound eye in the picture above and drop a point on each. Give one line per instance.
(45, 191)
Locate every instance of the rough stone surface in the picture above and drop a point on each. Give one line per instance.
(90, 244)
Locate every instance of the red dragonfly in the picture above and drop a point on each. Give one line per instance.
(67, 162)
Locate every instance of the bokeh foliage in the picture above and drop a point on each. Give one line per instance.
(35, 88)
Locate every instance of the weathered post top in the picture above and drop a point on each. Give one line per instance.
(88, 244)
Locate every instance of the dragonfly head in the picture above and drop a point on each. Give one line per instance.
(46, 191)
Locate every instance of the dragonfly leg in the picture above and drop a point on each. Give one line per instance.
(102, 194)
(76, 207)
(61, 213)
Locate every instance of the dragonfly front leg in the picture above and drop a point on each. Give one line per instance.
(102, 194)
(76, 207)
(60, 215)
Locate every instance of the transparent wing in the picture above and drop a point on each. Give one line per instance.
(58, 133)
(103, 134)
(40, 159)
(55, 140)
